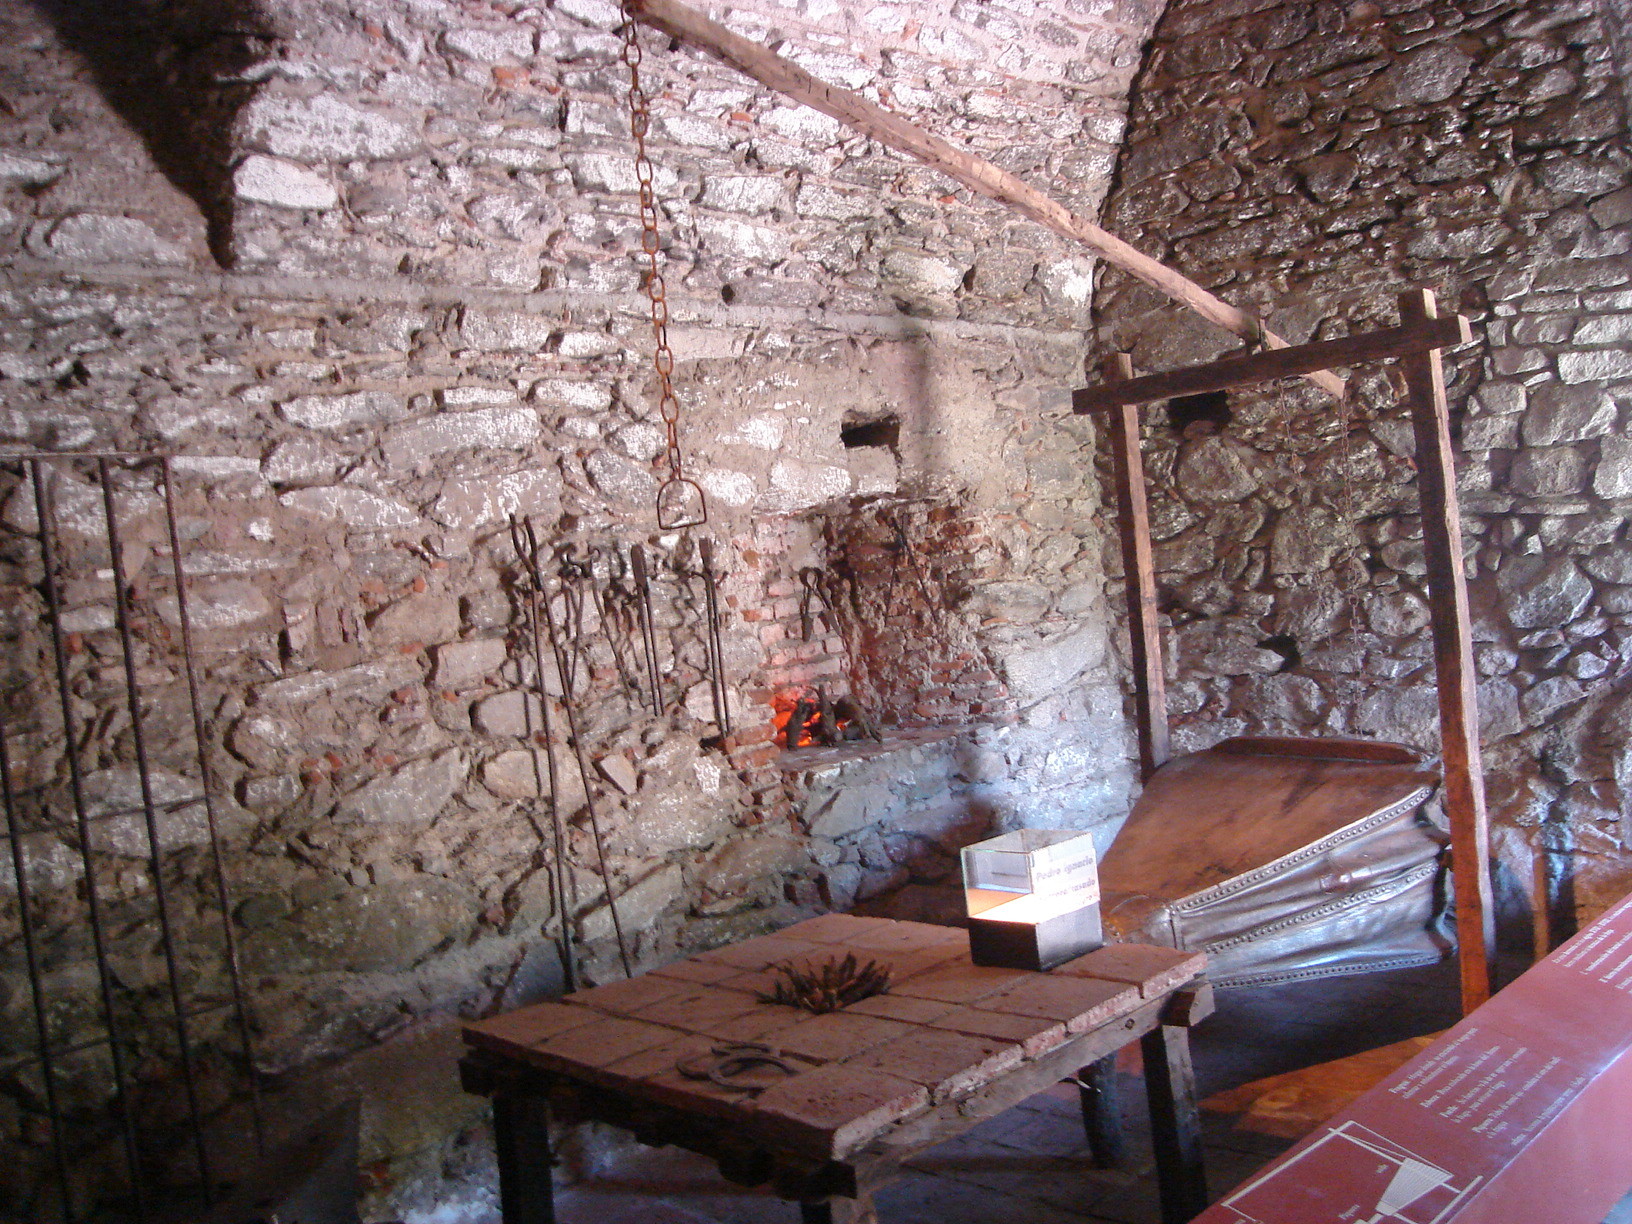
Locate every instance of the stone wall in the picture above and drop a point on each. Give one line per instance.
(1311, 160)
(368, 270)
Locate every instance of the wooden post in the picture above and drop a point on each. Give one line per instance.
(521, 1139)
(891, 130)
(1102, 1114)
(1139, 576)
(1464, 786)
(1175, 1126)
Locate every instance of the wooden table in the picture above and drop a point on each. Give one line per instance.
(948, 1046)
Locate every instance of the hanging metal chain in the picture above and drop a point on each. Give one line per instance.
(679, 501)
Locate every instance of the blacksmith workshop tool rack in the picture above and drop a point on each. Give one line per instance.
(86, 522)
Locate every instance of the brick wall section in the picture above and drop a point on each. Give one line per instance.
(1311, 160)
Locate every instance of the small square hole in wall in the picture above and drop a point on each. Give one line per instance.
(1198, 416)
(878, 431)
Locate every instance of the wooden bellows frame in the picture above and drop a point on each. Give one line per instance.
(1416, 342)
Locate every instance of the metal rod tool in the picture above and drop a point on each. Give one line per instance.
(648, 630)
(716, 654)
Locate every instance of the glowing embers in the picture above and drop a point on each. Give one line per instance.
(812, 719)
(1032, 897)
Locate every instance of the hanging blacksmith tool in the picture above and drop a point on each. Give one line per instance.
(810, 579)
(612, 610)
(648, 630)
(574, 576)
(530, 559)
(549, 784)
(903, 545)
(716, 654)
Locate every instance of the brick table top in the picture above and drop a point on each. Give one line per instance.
(946, 1030)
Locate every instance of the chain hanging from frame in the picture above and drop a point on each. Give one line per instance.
(680, 501)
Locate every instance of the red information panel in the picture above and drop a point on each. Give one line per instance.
(1521, 1114)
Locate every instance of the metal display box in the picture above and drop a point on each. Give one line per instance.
(1032, 897)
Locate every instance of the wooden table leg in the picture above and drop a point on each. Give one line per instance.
(837, 1211)
(1170, 1084)
(521, 1136)
(1101, 1113)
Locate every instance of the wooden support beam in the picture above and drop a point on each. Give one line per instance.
(1139, 577)
(1412, 336)
(981, 176)
(1453, 659)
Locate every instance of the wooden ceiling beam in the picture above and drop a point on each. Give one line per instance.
(768, 68)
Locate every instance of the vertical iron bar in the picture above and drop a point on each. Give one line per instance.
(36, 985)
(716, 655)
(207, 785)
(558, 836)
(648, 630)
(45, 511)
(150, 819)
(577, 747)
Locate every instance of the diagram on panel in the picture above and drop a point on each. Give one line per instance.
(1365, 1179)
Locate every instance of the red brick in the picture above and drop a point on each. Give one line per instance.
(696, 1011)
(837, 1035)
(755, 954)
(599, 1045)
(1034, 1034)
(831, 1111)
(1155, 970)
(1082, 1003)
(628, 997)
(958, 982)
(833, 928)
(900, 1007)
(702, 972)
(527, 1027)
(947, 1063)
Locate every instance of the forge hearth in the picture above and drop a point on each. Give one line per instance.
(816, 721)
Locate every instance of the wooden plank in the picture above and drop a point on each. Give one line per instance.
(1453, 660)
(1139, 578)
(1414, 336)
(765, 66)
(1175, 1125)
(1334, 748)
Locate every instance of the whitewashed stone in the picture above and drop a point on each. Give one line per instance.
(764, 431)
(796, 485)
(428, 617)
(639, 906)
(1037, 669)
(598, 13)
(269, 180)
(732, 488)
(640, 441)
(515, 774)
(466, 504)
(410, 446)
(359, 509)
(802, 124)
(415, 793)
(582, 394)
(301, 461)
(492, 46)
(620, 478)
(1613, 475)
(617, 770)
(739, 238)
(742, 193)
(457, 664)
(1542, 592)
(217, 605)
(323, 128)
(475, 397)
(17, 170)
(1068, 282)
(93, 238)
(615, 173)
(515, 713)
(499, 331)
(1429, 75)
(343, 411)
(1595, 364)
(914, 270)
(370, 682)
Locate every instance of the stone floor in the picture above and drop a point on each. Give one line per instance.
(1030, 1164)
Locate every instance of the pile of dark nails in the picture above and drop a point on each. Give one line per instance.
(829, 986)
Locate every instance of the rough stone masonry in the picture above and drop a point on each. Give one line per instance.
(367, 270)
(1314, 159)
